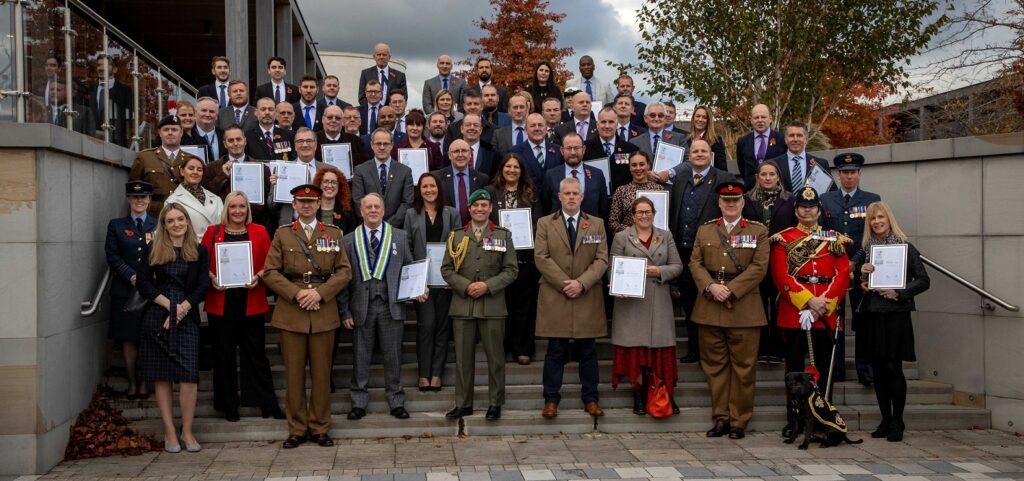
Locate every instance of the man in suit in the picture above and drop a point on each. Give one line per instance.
(592, 183)
(796, 164)
(217, 174)
(330, 92)
(220, 67)
(539, 154)
(386, 177)
(41, 88)
(479, 263)
(495, 117)
(386, 121)
(571, 254)
(443, 81)
(277, 89)
(551, 109)
(437, 124)
(307, 278)
(504, 138)
(284, 115)
(609, 146)
(845, 210)
(305, 153)
(459, 180)
(239, 112)
(159, 164)
(351, 121)
(206, 123)
(624, 84)
(482, 158)
(397, 100)
(84, 123)
(623, 105)
(598, 90)
(670, 117)
(483, 74)
(729, 310)
(372, 100)
(111, 101)
(693, 201)
(379, 251)
(309, 110)
(473, 104)
(582, 121)
(334, 134)
(268, 141)
(759, 145)
(656, 133)
(389, 78)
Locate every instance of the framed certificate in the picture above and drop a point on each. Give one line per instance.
(340, 156)
(196, 150)
(890, 263)
(602, 165)
(412, 282)
(289, 176)
(819, 179)
(520, 223)
(248, 178)
(435, 252)
(668, 157)
(660, 199)
(628, 276)
(234, 263)
(415, 159)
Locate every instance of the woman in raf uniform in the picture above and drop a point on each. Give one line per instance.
(886, 326)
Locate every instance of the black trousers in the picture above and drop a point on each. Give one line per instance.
(521, 303)
(771, 334)
(433, 332)
(688, 298)
(796, 351)
(236, 334)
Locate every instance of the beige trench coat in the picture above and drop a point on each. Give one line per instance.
(558, 315)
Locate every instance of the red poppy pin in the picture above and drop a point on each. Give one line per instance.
(551, 150)
(771, 142)
(391, 73)
(810, 162)
(321, 228)
(585, 224)
(277, 136)
(587, 173)
(289, 90)
(657, 239)
(295, 225)
(129, 233)
(743, 223)
(337, 215)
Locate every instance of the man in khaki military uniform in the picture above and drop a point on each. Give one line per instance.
(730, 257)
(307, 268)
(479, 263)
(157, 165)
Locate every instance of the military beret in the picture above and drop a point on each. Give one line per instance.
(479, 194)
(848, 161)
(138, 188)
(729, 189)
(306, 192)
(169, 120)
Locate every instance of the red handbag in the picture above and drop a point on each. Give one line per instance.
(658, 403)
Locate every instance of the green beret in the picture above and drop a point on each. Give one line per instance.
(478, 195)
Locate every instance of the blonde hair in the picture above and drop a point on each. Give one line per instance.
(894, 227)
(438, 96)
(227, 201)
(709, 130)
(162, 251)
(527, 97)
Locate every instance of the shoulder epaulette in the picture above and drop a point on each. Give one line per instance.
(283, 226)
(151, 149)
(756, 223)
(712, 221)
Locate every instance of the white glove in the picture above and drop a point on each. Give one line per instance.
(806, 319)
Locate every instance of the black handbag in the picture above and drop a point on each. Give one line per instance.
(136, 303)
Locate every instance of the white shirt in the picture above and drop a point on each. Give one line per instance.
(575, 220)
(311, 225)
(302, 112)
(170, 154)
(581, 175)
(729, 226)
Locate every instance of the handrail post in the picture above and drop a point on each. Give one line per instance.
(970, 285)
(91, 306)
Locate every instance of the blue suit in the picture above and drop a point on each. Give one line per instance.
(125, 248)
(552, 160)
(595, 191)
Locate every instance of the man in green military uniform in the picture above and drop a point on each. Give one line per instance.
(157, 165)
(479, 263)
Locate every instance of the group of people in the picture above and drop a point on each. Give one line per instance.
(755, 259)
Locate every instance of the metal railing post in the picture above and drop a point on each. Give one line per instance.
(137, 138)
(69, 112)
(105, 58)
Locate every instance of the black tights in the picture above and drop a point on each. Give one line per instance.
(890, 389)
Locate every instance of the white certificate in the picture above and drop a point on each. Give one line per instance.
(415, 159)
(629, 276)
(819, 179)
(234, 263)
(248, 178)
(602, 165)
(289, 176)
(196, 150)
(660, 199)
(340, 156)
(412, 283)
(520, 223)
(435, 252)
(890, 263)
(668, 157)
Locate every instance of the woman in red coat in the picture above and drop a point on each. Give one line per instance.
(237, 315)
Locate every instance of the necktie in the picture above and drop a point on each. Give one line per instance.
(656, 139)
(309, 231)
(519, 135)
(383, 178)
(56, 115)
(762, 149)
(798, 173)
(238, 116)
(269, 143)
(622, 133)
(589, 91)
(373, 118)
(101, 99)
(463, 200)
(608, 149)
(374, 245)
(444, 83)
(581, 128)
(277, 94)
(138, 224)
(223, 96)
(309, 121)
(211, 140)
(574, 172)
(539, 153)
(477, 233)
(846, 198)
(472, 157)
(572, 234)
(697, 178)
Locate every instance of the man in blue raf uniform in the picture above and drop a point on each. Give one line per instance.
(844, 210)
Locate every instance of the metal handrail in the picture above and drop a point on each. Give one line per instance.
(970, 285)
(90, 307)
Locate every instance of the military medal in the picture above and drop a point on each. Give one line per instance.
(149, 237)
(858, 212)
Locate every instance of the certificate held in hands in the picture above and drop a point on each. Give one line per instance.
(412, 282)
(289, 176)
(339, 156)
(890, 263)
(629, 276)
(668, 157)
(248, 178)
(416, 160)
(234, 263)
(520, 223)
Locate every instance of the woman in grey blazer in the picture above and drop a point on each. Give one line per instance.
(430, 221)
(644, 330)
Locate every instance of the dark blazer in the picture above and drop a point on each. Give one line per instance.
(538, 96)
(746, 157)
(917, 282)
(637, 119)
(256, 147)
(569, 127)
(226, 117)
(618, 163)
(835, 215)
(708, 211)
(396, 81)
(787, 177)
(120, 103)
(504, 138)
(195, 137)
(477, 180)
(210, 90)
(300, 119)
(197, 280)
(536, 211)
(502, 95)
(781, 216)
(397, 197)
(454, 131)
(359, 152)
(595, 191)
(416, 227)
(432, 86)
(498, 118)
(216, 181)
(552, 160)
(721, 161)
(290, 93)
(337, 101)
(126, 249)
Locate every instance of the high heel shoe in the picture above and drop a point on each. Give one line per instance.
(172, 448)
(424, 385)
(272, 411)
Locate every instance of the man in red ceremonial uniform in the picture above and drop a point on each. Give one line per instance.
(812, 271)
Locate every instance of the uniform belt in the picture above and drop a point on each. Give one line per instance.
(725, 276)
(307, 278)
(814, 279)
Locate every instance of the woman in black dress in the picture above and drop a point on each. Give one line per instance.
(544, 85)
(174, 282)
(886, 324)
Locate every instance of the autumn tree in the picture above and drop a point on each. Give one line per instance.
(857, 120)
(519, 34)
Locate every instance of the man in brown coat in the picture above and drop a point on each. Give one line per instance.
(730, 257)
(307, 268)
(571, 253)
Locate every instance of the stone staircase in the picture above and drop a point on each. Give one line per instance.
(930, 404)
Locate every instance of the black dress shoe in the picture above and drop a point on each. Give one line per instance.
(895, 432)
(458, 412)
(882, 431)
(323, 440)
(689, 358)
(493, 412)
(231, 415)
(675, 407)
(400, 413)
(639, 402)
(736, 433)
(356, 414)
(721, 428)
(787, 431)
(293, 441)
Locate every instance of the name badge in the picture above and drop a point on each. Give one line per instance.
(591, 239)
(746, 241)
(494, 245)
(858, 212)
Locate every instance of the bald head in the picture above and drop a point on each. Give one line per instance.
(700, 154)
(444, 65)
(760, 117)
(459, 153)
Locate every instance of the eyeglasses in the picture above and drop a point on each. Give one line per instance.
(655, 115)
(573, 148)
(328, 182)
(381, 144)
(305, 141)
(643, 213)
(332, 117)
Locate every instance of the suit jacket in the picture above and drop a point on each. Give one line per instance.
(502, 95)
(503, 139)
(432, 86)
(226, 118)
(637, 118)
(120, 104)
(498, 118)
(643, 141)
(787, 175)
(477, 180)
(354, 304)
(836, 215)
(603, 92)
(552, 160)
(495, 266)
(359, 152)
(720, 160)
(454, 131)
(647, 322)
(197, 138)
(300, 119)
(283, 214)
(396, 81)
(569, 127)
(398, 195)
(126, 248)
(536, 212)
(781, 216)
(290, 93)
(337, 101)
(708, 210)
(746, 157)
(216, 181)
(255, 145)
(618, 162)
(710, 257)
(416, 227)
(584, 316)
(364, 117)
(595, 191)
(211, 90)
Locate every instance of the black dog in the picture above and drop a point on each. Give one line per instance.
(814, 415)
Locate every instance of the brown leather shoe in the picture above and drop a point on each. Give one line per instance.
(593, 409)
(550, 410)
(721, 428)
